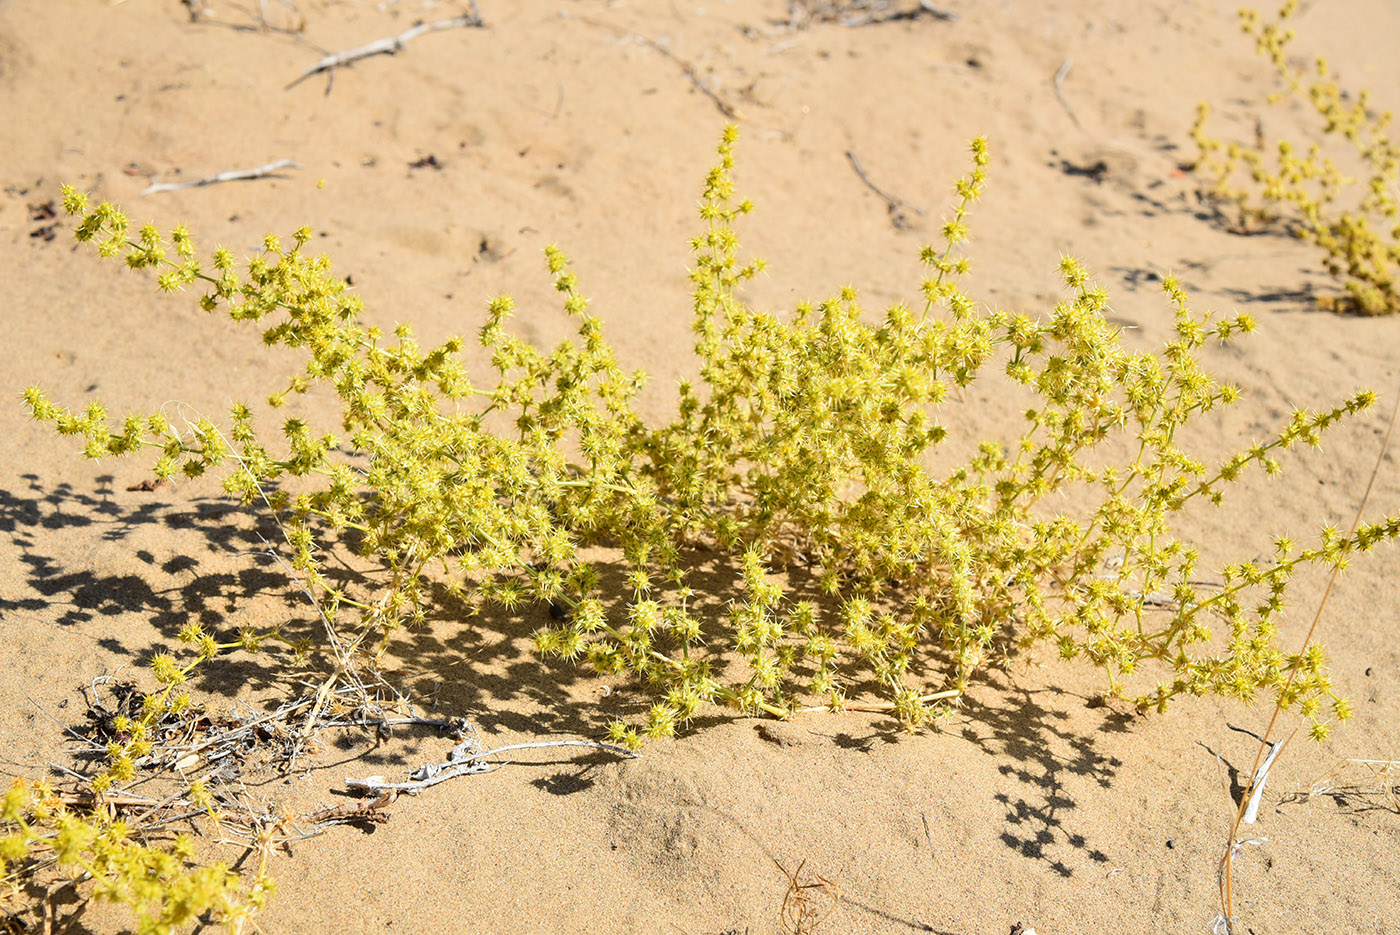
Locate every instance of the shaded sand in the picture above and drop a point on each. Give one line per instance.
(559, 124)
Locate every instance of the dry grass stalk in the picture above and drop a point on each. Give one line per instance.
(1378, 788)
(808, 902)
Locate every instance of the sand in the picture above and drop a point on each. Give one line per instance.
(447, 168)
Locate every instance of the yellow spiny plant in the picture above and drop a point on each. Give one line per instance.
(164, 886)
(801, 453)
(1354, 221)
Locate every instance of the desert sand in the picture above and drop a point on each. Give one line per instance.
(446, 169)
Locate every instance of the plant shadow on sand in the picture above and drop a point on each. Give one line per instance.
(214, 567)
(482, 667)
(1013, 723)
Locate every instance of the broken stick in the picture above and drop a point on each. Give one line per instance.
(895, 205)
(1256, 784)
(1060, 89)
(861, 13)
(231, 176)
(688, 69)
(466, 758)
(390, 46)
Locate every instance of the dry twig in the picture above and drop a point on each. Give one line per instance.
(233, 175)
(688, 69)
(201, 11)
(808, 904)
(467, 757)
(1261, 775)
(1381, 789)
(1060, 90)
(389, 46)
(802, 13)
(894, 205)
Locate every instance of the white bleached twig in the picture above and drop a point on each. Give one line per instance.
(1256, 785)
(233, 175)
(1060, 89)
(390, 46)
(466, 758)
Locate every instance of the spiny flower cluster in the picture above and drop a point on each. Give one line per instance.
(1355, 221)
(799, 458)
(162, 885)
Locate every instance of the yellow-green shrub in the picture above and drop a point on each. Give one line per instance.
(1355, 221)
(108, 860)
(802, 448)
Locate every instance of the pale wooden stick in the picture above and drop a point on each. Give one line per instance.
(687, 69)
(463, 760)
(1060, 89)
(390, 46)
(233, 175)
(724, 107)
(1261, 775)
(890, 16)
(894, 205)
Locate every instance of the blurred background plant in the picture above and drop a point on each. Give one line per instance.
(1309, 187)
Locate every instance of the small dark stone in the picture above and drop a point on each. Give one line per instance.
(1171, 845)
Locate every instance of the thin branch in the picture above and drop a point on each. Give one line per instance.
(1060, 90)
(725, 108)
(894, 205)
(234, 175)
(389, 46)
(861, 13)
(925, 9)
(64, 727)
(1251, 812)
(465, 758)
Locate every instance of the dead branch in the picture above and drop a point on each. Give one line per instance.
(466, 758)
(372, 811)
(894, 205)
(391, 45)
(802, 13)
(202, 11)
(725, 108)
(236, 175)
(1060, 90)
(688, 69)
(1261, 775)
